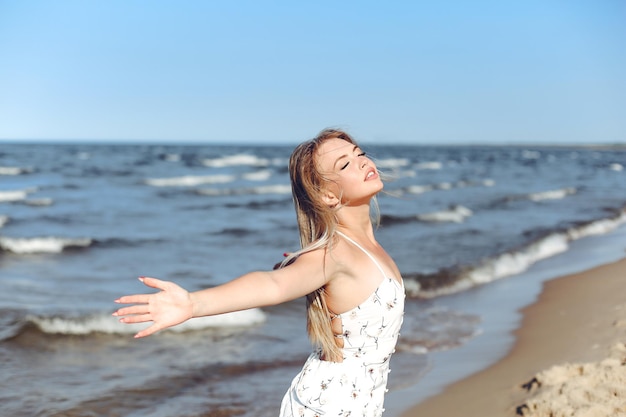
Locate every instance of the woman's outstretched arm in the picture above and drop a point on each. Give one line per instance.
(173, 305)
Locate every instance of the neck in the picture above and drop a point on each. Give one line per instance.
(356, 222)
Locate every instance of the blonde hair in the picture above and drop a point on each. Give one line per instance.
(317, 223)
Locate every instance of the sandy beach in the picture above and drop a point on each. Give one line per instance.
(569, 358)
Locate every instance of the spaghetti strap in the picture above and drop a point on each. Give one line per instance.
(382, 271)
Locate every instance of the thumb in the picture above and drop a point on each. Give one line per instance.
(147, 331)
(153, 283)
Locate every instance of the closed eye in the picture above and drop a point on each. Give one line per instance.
(348, 163)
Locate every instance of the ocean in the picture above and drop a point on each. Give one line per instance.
(473, 229)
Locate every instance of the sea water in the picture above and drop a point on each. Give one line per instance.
(80, 222)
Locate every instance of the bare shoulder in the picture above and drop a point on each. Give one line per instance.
(331, 261)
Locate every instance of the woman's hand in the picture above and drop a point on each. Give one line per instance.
(166, 308)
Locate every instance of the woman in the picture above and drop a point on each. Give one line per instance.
(355, 295)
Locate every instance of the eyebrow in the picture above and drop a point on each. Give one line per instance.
(344, 156)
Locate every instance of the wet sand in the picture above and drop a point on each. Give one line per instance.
(569, 357)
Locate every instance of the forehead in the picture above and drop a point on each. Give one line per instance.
(331, 149)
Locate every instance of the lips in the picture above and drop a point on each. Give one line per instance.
(371, 174)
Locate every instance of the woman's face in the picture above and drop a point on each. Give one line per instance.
(353, 176)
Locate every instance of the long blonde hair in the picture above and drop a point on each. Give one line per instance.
(317, 223)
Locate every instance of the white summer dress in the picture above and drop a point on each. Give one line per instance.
(355, 387)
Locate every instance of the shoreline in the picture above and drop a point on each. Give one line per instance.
(577, 318)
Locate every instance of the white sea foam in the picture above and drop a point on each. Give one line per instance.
(172, 157)
(279, 162)
(40, 202)
(189, 180)
(48, 244)
(456, 214)
(249, 317)
(412, 287)
(104, 323)
(14, 170)
(552, 194)
(236, 160)
(12, 196)
(4, 220)
(434, 165)
(516, 262)
(264, 189)
(392, 163)
(526, 154)
(599, 227)
(272, 189)
(419, 189)
(616, 167)
(412, 348)
(263, 175)
(406, 174)
(512, 263)
(504, 265)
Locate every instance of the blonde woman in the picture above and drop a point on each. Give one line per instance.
(355, 294)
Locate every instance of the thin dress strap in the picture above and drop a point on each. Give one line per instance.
(382, 271)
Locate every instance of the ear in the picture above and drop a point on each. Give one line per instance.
(329, 198)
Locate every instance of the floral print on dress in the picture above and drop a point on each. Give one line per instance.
(356, 386)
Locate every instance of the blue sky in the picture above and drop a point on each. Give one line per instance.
(417, 72)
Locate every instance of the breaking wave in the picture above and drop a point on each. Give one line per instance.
(105, 323)
(38, 245)
(15, 195)
(263, 175)
(15, 171)
(17, 322)
(456, 214)
(552, 194)
(421, 189)
(392, 163)
(265, 189)
(432, 165)
(236, 160)
(189, 180)
(39, 202)
(456, 279)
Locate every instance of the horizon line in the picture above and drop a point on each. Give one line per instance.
(173, 142)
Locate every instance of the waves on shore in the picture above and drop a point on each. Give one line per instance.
(264, 189)
(44, 244)
(456, 279)
(12, 196)
(15, 323)
(13, 170)
(58, 245)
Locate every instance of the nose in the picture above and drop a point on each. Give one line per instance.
(364, 162)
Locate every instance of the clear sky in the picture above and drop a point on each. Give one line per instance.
(418, 72)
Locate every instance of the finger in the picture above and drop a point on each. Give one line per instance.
(148, 331)
(137, 309)
(154, 283)
(134, 299)
(140, 318)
